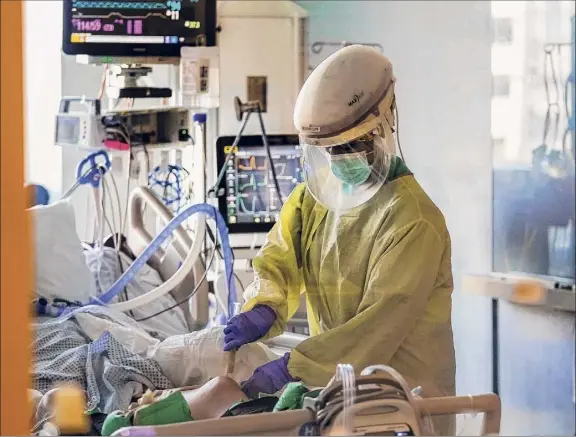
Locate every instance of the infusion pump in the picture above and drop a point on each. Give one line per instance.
(87, 127)
(80, 128)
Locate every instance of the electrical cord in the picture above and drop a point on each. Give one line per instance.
(222, 170)
(567, 132)
(124, 296)
(128, 135)
(118, 230)
(398, 131)
(240, 282)
(118, 132)
(566, 99)
(98, 235)
(102, 83)
(127, 197)
(116, 233)
(147, 156)
(217, 246)
(269, 154)
(214, 241)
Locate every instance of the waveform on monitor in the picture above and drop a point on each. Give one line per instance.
(118, 5)
(125, 17)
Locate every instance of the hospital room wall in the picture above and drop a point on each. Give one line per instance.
(42, 82)
(441, 55)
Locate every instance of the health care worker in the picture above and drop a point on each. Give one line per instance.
(361, 239)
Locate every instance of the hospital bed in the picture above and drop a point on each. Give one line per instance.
(178, 263)
(289, 423)
(378, 402)
(168, 261)
(71, 339)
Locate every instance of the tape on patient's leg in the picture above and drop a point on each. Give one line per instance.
(171, 409)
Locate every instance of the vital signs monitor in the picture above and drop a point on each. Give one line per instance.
(247, 197)
(126, 28)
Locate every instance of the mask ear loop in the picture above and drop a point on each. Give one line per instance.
(397, 131)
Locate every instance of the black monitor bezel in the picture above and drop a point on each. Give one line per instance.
(132, 50)
(247, 141)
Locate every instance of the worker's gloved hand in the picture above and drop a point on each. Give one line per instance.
(269, 378)
(248, 327)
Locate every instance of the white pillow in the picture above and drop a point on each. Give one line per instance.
(61, 271)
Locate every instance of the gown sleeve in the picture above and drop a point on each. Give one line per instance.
(277, 267)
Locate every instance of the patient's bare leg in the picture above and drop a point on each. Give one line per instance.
(213, 399)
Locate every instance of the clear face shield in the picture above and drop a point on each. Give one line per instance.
(344, 176)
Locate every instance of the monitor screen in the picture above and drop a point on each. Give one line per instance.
(137, 28)
(247, 195)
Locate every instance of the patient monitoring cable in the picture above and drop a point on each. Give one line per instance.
(222, 172)
(189, 296)
(269, 154)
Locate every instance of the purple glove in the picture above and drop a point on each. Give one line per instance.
(248, 327)
(268, 378)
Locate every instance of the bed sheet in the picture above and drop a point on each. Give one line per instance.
(110, 373)
(114, 359)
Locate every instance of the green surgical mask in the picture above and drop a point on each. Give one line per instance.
(352, 170)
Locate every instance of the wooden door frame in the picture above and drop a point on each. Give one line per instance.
(16, 280)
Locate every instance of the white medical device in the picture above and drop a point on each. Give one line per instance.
(161, 125)
(88, 127)
(81, 127)
(199, 77)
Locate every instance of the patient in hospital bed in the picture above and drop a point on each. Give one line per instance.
(115, 357)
